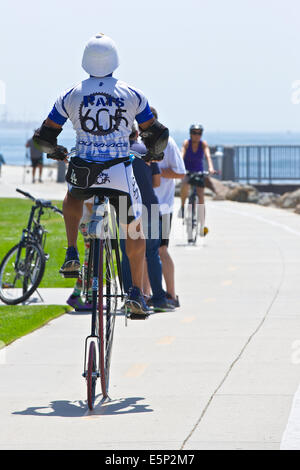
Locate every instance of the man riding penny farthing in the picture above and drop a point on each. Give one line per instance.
(102, 110)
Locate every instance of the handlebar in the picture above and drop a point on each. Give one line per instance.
(132, 155)
(40, 202)
(200, 173)
(25, 194)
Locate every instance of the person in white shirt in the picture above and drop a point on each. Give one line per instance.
(171, 167)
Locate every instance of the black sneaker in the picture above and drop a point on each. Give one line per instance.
(136, 302)
(175, 302)
(163, 305)
(71, 266)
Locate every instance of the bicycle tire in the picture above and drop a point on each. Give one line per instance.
(91, 377)
(195, 219)
(88, 274)
(104, 387)
(106, 322)
(116, 247)
(111, 305)
(37, 277)
(190, 219)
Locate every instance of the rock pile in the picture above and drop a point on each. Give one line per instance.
(290, 200)
(247, 193)
(239, 192)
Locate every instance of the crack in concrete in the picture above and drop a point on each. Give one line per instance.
(240, 353)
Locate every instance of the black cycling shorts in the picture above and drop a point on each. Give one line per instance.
(195, 180)
(36, 162)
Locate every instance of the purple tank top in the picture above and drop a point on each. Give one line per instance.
(194, 161)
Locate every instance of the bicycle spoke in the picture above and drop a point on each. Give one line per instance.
(111, 306)
(21, 272)
(104, 286)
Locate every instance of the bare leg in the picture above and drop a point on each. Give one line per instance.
(135, 250)
(146, 281)
(33, 173)
(72, 209)
(168, 270)
(40, 172)
(184, 192)
(200, 194)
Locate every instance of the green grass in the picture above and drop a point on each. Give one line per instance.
(19, 320)
(14, 217)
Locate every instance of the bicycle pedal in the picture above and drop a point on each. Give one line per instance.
(138, 316)
(70, 274)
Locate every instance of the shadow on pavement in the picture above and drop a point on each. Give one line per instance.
(68, 409)
(119, 313)
(121, 406)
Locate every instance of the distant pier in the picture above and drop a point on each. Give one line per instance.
(273, 168)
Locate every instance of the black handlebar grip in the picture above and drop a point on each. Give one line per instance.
(25, 194)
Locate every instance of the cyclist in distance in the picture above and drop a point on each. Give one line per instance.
(193, 152)
(102, 110)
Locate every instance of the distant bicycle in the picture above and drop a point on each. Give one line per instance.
(192, 219)
(22, 268)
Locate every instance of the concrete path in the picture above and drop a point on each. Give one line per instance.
(19, 177)
(48, 296)
(219, 373)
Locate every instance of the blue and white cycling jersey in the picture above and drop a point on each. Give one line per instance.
(102, 111)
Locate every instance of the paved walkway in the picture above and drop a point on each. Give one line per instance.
(19, 177)
(219, 373)
(47, 296)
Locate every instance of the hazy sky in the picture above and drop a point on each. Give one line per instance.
(229, 65)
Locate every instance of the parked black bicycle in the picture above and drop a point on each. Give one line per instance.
(22, 268)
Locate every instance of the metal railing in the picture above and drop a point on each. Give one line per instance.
(266, 163)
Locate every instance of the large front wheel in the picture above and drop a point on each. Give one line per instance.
(108, 289)
(21, 272)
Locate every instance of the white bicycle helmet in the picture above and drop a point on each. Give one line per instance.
(100, 57)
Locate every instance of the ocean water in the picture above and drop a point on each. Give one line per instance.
(13, 140)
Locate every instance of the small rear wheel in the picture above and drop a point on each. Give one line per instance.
(91, 377)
